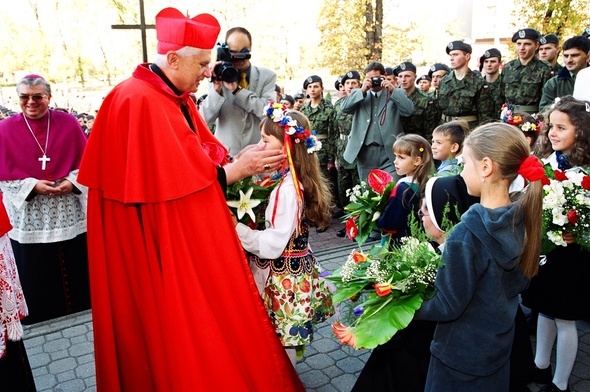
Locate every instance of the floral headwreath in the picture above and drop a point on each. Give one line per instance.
(507, 116)
(278, 113)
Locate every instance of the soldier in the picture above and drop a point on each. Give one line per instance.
(299, 101)
(549, 51)
(425, 116)
(575, 57)
(461, 94)
(322, 116)
(436, 73)
(348, 175)
(391, 76)
(489, 64)
(424, 83)
(523, 78)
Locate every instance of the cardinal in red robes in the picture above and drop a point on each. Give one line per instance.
(174, 305)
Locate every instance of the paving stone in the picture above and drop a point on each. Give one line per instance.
(45, 382)
(86, 370)
(62, 365)
(56, 344)
(59, 354)
(344, 383)
(314, 379)
(320, 361)
(66, 376)
(39, 360)
(80, 349)
(75, 331)
(71, 386)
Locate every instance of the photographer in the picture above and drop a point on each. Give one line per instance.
(376, 108)
(237, 104)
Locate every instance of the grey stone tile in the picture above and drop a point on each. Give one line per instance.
(62, 365)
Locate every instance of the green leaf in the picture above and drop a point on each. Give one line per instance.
(345, 292)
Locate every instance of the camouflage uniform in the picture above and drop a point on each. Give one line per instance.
(323, 122)
(523, 84)
(495, 89)
(425, 117)
(465, 97)
(348, 175)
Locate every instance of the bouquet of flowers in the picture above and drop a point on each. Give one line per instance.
(367, 202)
(566, 208)
(249, 198)
(393, 284)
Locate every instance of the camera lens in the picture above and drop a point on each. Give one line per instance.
(226, 72)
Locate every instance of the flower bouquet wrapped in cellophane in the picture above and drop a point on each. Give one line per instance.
(566, 208)
(249, 198)
(389, 284)
(367, 202)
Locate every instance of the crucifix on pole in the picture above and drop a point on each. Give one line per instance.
(141, 26)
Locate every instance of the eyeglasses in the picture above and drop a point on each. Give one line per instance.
(34, 97)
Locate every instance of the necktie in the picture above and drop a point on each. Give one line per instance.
(562, 163)
(243, 82)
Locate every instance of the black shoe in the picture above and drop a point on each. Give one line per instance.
(541, 376)
(320, 229)
(341, 233)
(553, 388)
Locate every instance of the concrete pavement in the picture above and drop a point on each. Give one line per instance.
(61, 351)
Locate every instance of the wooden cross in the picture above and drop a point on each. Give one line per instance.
(44, 161)
(141, 26)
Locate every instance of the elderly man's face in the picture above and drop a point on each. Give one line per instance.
(34, 101)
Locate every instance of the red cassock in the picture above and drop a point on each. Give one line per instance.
(174, 305)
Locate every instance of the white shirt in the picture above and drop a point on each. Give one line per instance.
(582, 85)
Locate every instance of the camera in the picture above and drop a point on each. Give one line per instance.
(376, 81)
(225, 71)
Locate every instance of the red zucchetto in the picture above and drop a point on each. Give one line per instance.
(175, 31)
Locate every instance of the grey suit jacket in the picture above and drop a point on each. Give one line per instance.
(359, 106)
(238, 116)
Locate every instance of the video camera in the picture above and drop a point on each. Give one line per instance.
(225, 71)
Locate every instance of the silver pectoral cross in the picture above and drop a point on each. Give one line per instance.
(44, 161)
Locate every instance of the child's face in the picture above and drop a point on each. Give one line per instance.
(442, 148)
(471, 172)
(405, 164)
(271, 142)
(562, 133)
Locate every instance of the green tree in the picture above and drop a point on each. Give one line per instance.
(563, 18)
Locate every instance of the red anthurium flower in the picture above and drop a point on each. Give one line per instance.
(560, 175)
(359, 257)
(572, 217)
(344, 334)
(378, 180)
(352, 229)
(383, 289)
(586, 183)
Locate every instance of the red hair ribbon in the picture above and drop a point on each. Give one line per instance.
(532, 169)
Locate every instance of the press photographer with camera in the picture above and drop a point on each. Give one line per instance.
(238, 92)
(376, 108)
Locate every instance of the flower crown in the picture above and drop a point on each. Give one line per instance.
(278, 113)
(507, 116)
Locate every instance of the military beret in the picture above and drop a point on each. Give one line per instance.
(338, 82)
(549, 39)
(353, 74)
(287, 97)
(405, 66)
(458, 45)
(424, 77)
(299, 96)
(438, 67)
(527, 33)
(312, 79)
(586, 32)
(389, 71)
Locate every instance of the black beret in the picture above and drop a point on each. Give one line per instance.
(352, 74)
(424, 77)
(451, 191)
(338, 82)
(312, 79)
(299, 96)
(90, 117)
(438, 67)
(458, 45)
(586, 32)
(287, 97)
(488, 54)
(389, 71)
(527, 33)
(405, 66)
(549, 39)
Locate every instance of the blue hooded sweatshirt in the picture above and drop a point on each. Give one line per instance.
(477, 291)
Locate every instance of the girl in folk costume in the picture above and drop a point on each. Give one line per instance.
(15, 371)
(413, 159)
(559, 292)
(492, 252)
(284, 267)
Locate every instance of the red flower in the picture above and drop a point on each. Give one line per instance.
(560, 175)
(383, 289)
(586, 183)
(545, 180)
(378, 180)
(359, 257)
(352, 229)
(572, 217)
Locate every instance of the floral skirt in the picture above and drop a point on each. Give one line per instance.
(295, 301)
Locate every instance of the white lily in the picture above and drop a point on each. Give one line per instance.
(245, 204)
